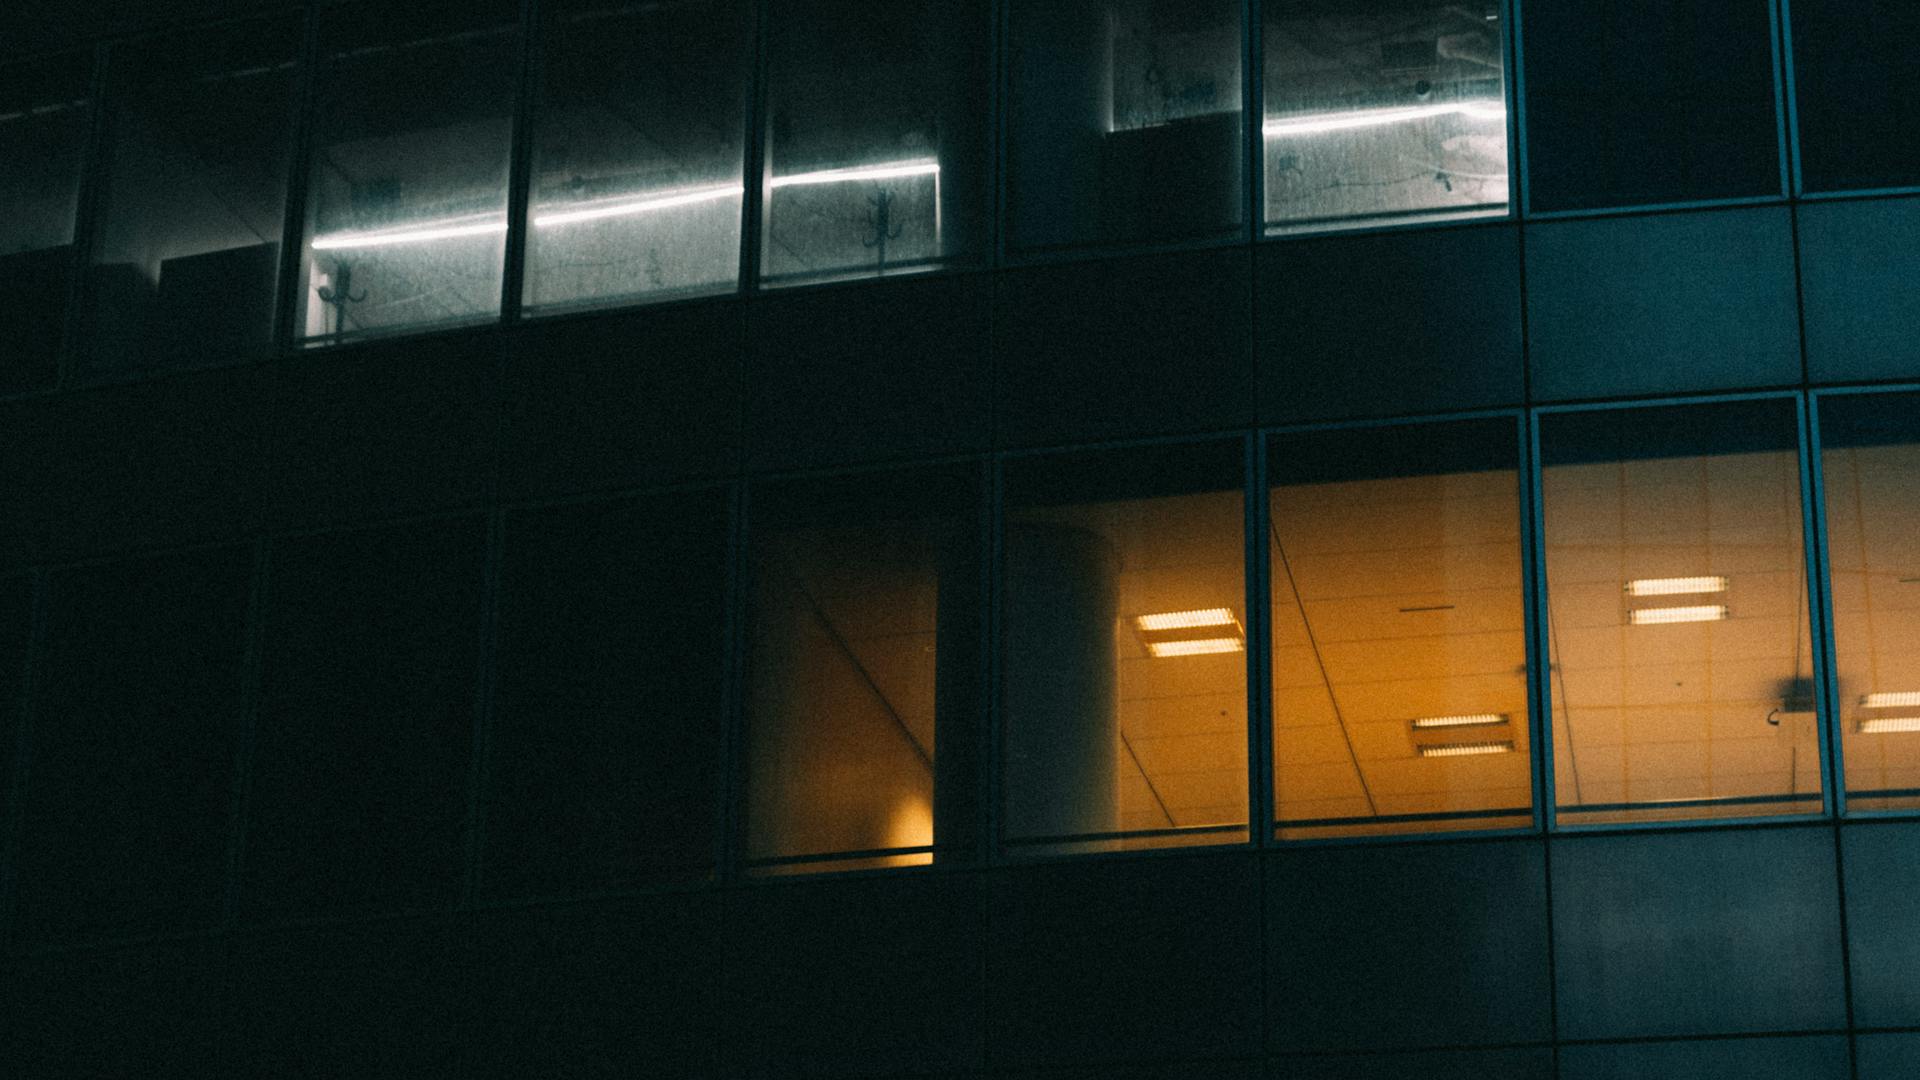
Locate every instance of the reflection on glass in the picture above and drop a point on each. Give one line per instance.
(1677, 614)
(406, 203)
(43, 133)
(1399, 631)
(1853, 64)
(639, 151)
(1870, 467)
(864, 672)
(1124, 649)
(1383, 109)
(1126, 123)
(193, 198)
(875, 146)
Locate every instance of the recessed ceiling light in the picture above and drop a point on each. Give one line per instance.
(1466, 749)
(1466, 720)
(1186, 620)
(1886, 725)
(1676, 586)
(1659, 616)
(1195, 647)
(1899, 699)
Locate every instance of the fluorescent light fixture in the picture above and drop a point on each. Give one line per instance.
(1186, 620)
(1899, 699)
(1887, 725)
(1466, 749)
(868, 172)
(1316, 123)
(626, 207)
(1676, 586)
(418, 235)
(1428, 723)
(1195, 647)
(1661, 616)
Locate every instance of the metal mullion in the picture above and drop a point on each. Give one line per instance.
(754, 187)
(292, 280)
(1820, 607)
(1517, 123)
(93, 161)
(520, 167)
(1259, 597)
(1540, 686)
(1253, 109)
(1787, 117)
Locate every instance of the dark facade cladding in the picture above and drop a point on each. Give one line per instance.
(487, 591)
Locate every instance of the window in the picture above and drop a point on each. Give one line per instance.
(1123, 651)
(1853, 62)
(639, 150)
(407, 193)
(43, 135)
(1870, 472)
(193, 198)
(864, 671)
(1399, 631)
(876, 149)
(1383, 110)
(1643, 102)
(1125, 123)
(1682, 671)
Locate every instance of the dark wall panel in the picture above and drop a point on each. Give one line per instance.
(16, 646)
(147, 1012)
(1098, 962)
(1528, 1063)
(1696, 933)
(1853, 63)
(621, 401)
(1887, 1057)
(859, 977)
(870, 372)
(1124, 347)
(166, 462)
(130, 789)
(1816, 1058)
(369, 663)
(1182, 1070)
(611, 990)
(1882, 866)
(604, 767)
(383, 430)
(1381, 948)
(1668, 304)
(1401, 322)
(1858, 265)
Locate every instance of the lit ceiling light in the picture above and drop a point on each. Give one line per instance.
(869, 172)
(1660, 616)
(1902, 699)
(641, 206)
(1195, 647)
(1426, 723)
(1676, 586)
(1887, 725)
(418, 235)
(1466, 749)
(1186, 620)
(1316, 123)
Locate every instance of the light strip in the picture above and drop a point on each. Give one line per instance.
(1887, 725)
(1660, 616)
(1468, 749)
(1428, 723)
(1315, 123)
(393, 237)
(869, 172)
(1899, 699)
(1186, 620)
(1676, 586)
(622, 209)
(1196, 647)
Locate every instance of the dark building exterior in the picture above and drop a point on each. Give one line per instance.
(1066, 575)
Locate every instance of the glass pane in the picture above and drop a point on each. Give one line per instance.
(406, 203)
(1399, 631)
(1870, 466)
(876, 138)
(43, 135)
(639, 152)
(1642, 102)
(1382, 110)
(1124, 651)
(193, 198)
(1676, 580)
(1126, 122)
(1853, 65)
(864, 672)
